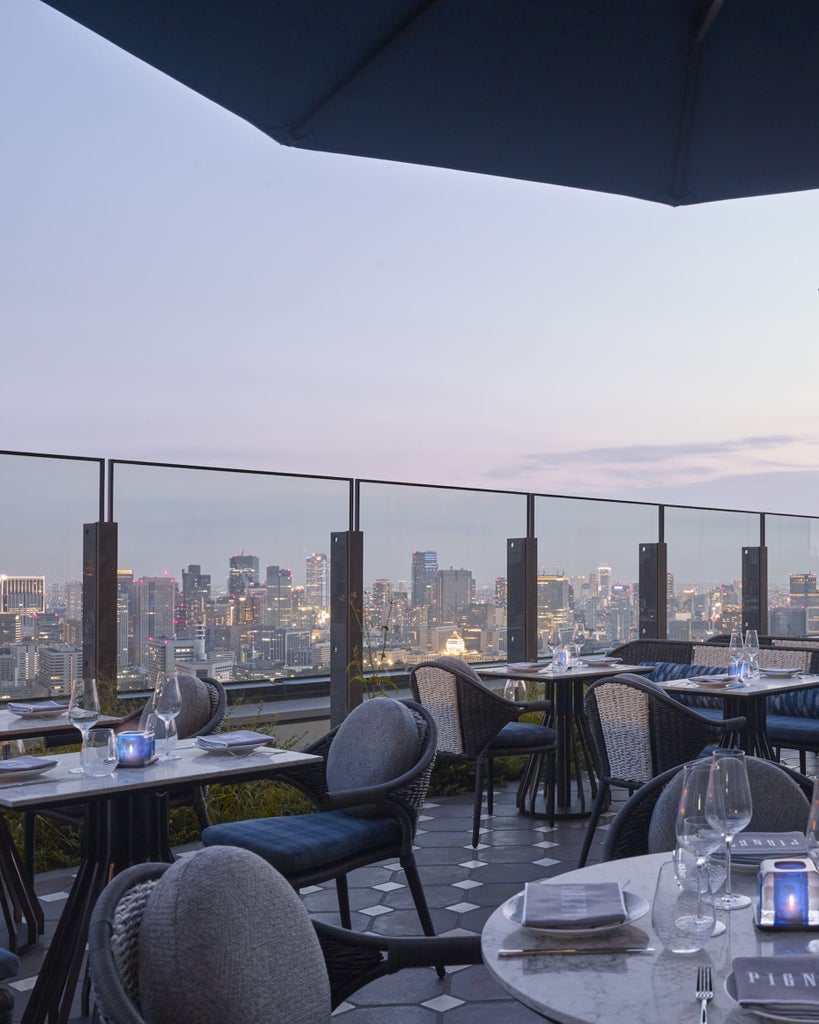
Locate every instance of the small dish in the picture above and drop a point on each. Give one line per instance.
(636, 907)
(718, 681)
(598, 659)
(780, 673)
(16, 769)
(244, 743)
(797, 1017)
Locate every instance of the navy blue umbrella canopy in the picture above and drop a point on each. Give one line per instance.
(675, 101)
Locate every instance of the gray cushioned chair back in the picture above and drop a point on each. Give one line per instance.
(779, 805)
(376, 743)
(224, 938)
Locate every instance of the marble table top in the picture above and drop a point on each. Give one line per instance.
(646, 988)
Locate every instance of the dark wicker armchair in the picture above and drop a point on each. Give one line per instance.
(638, 732)
(369, 790)
(221, 936)
(476, 725)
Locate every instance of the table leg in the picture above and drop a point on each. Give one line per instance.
(118, 832)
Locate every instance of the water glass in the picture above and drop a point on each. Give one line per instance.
(100, 753)
(680, 924)
(752, 652)
(515, 690)
(83, 711)
(562, 660)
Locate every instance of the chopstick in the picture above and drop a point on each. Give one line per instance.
(608, 950)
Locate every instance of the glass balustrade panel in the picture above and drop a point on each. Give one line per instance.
(705, 570)
(44, 503)
(435, 571)
(224, 572)
(588, 569)
(793, 566)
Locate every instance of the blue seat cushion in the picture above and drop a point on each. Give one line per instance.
(299, 843)
(798, 703)
(523, 736)
(793, 731)
(9, 965)
(668, 671)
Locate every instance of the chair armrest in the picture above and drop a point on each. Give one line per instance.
(536, 705)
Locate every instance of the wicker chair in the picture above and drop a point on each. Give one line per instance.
(369, 789)
(638, 732)
(636, 829)
(476, 725)
(204, 716)
(234, 943)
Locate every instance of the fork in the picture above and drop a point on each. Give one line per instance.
(705, 991)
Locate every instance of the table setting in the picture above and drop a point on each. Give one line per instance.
(721, 929)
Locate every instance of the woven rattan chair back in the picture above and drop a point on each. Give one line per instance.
(638, 732)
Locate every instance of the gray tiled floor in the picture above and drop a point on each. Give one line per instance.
(463, 887)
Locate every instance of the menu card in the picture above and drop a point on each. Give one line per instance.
(754, 847)
(569, 905)
(784, 984)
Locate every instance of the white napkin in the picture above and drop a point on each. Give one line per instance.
(569, 905)
(240, 738)
(41, 705)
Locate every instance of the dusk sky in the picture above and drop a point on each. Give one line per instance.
(177, 287)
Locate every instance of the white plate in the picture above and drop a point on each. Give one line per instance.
(780, 673)
(236, 748)
(18, 773)
(760, 1011)
(636, 907)
(599, 659)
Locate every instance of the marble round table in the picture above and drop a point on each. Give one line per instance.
(644, 988)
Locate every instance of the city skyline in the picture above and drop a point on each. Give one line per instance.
(178, 287)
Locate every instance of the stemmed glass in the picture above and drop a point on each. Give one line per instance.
(736, 647)
(515, 690)
(752, 651)
(728, 808)
(167, 705)
(83, 712)
(696, 834)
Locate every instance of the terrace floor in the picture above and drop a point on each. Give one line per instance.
(463, 887)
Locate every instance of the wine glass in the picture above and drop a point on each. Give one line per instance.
(167, 705)
(728, 808)
(695, 833)
(736, 648)
(752, 651)
(515, 690)
(83, 712)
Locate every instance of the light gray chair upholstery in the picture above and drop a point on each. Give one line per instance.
(779, 804)
(220, 937)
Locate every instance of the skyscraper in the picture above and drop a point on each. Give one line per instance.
(23, 594)
(278, 612)
(455, 592)
(423, 573)
(153, 612)
(195, 596)
(317, 581)
(243, 573)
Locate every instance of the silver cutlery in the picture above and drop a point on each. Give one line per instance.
(705, 991)
(606, 950)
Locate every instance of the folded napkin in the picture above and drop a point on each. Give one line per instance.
(754, 847)
(40, 705)
(25, 763)
(567, 905)
(240, 738)
(784, 984)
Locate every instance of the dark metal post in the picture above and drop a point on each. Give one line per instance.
(755, 588)
(521, 599)
(653, 583)
(99, 608)
(346, 622)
